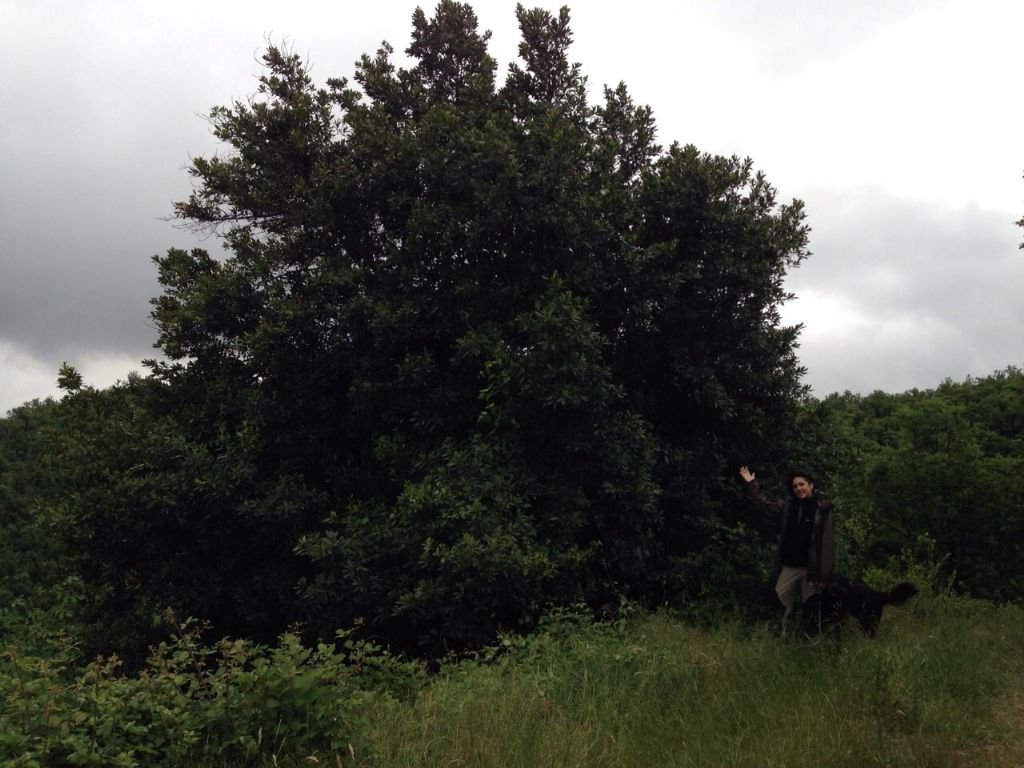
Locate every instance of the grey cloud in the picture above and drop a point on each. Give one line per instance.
(101, 114)
(809, 32)
(902, 295)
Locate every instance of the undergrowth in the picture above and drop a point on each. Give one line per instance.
(941, 686)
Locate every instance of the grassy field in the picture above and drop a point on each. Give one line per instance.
(942, 685)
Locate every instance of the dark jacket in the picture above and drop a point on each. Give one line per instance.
(821, 555)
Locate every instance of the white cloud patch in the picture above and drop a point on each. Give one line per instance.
(24, 377)
(28, 377)
(900, 295)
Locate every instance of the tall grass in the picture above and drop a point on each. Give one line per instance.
(942, 685)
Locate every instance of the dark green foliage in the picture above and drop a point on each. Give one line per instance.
(944, 464)
(30, 556)
(69, 379)
(937, 686)
(231, 703)
(477, 349)
(156, 519)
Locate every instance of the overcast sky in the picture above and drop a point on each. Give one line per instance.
(897, 122)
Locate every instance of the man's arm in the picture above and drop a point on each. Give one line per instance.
(769, 509)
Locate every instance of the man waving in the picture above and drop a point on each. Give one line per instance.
(806, 551)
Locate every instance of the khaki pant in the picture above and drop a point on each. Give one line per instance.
(793, 582)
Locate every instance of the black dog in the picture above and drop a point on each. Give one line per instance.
(842, 597)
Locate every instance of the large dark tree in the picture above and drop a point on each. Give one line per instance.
(478, 348)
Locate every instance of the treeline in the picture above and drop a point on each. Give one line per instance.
(933, 476)
(478, 349)
(938, 471)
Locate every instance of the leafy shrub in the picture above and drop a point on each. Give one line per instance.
(232, 701)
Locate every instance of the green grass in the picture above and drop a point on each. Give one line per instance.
(943, 685)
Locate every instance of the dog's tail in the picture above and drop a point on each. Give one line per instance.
(900, 593)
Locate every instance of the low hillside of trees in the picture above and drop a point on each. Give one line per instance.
(938, 470)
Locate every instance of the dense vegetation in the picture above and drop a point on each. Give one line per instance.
(933, 472)
(937, 469)
(477, 349)
(940, 687)
(477, 352)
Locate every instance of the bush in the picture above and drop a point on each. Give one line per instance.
(230, 702)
